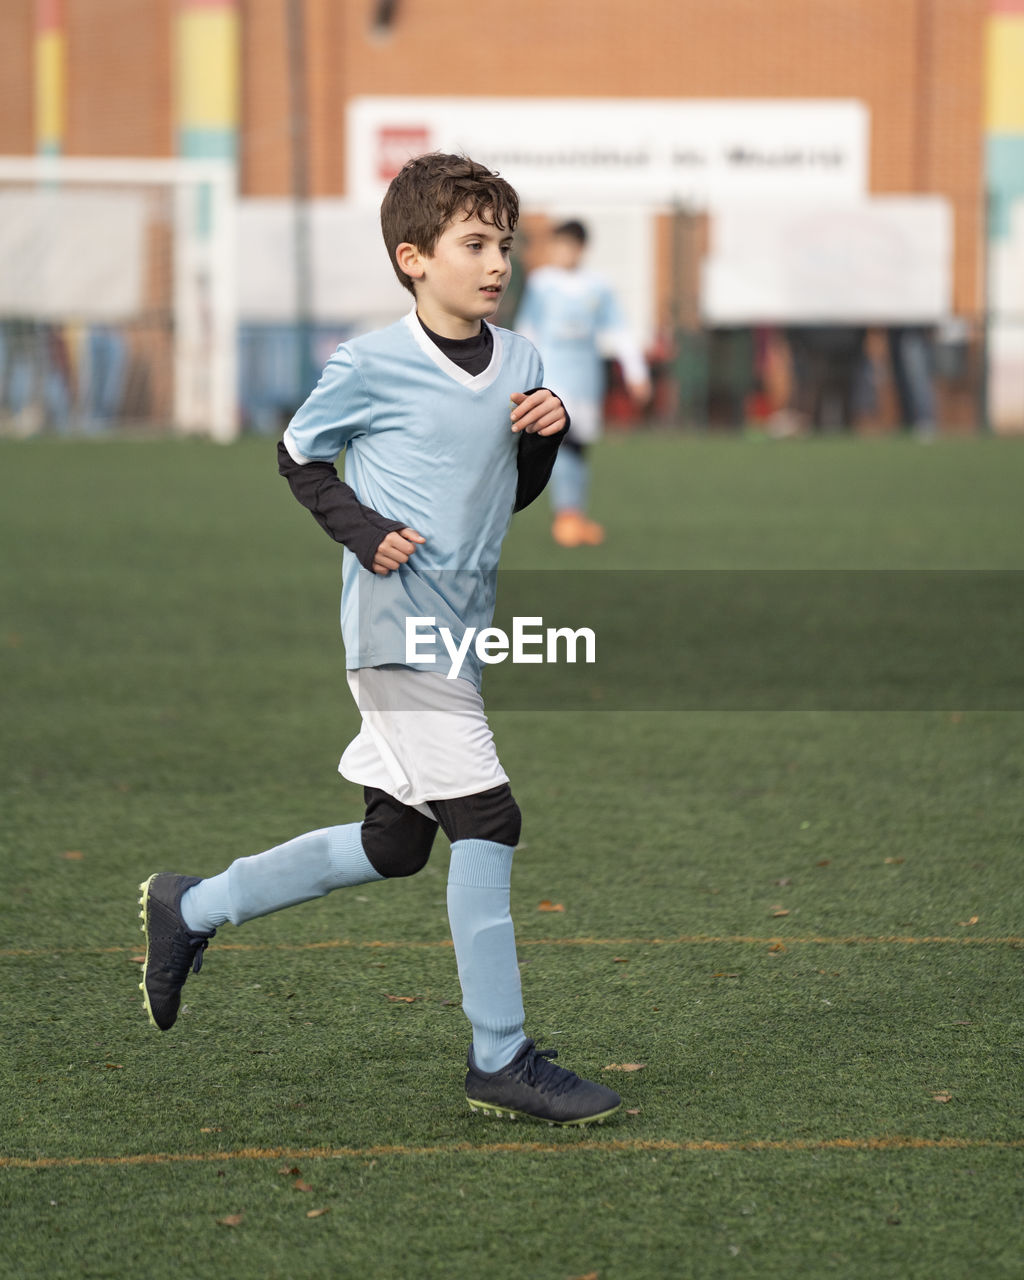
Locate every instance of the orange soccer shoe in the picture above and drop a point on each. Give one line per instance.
(573, 529)
(567, 530)
(591, 532)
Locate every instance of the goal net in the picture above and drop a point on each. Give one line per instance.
(117, 296)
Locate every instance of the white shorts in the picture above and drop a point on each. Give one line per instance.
(423, 737)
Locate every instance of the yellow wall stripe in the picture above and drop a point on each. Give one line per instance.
(1004, 78)
(50, 87)
(208, 71)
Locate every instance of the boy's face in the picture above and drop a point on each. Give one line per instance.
(462, 281)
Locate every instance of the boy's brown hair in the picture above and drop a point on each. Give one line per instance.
(430, 191)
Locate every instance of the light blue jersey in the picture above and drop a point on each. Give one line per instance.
(430, 445)
(566, 314)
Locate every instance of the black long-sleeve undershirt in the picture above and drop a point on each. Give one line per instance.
(335, 506)
(534, 462)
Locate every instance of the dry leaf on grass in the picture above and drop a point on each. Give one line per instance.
(548, 905)
(139, 959)
(293, 1172)
(633, 1111)
(591, 1275)
(299, 1185)
(232, 1220)
(894, 862)
(73, 855)
(620, 960)
(942, 1097)
(114, 1066)
(210, 1128)
(780, 911)
(624, 1066)
(964, 924)
(400, 999)
(316, 1213)
(776, 947)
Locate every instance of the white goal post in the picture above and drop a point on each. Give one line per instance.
(116, 247)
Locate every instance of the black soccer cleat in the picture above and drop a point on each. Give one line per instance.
(532, 1087)
(171, 948)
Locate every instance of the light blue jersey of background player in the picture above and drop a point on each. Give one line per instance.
(574, 319)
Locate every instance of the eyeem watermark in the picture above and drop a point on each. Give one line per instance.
(531, 641)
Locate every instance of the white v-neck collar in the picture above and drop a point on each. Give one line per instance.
(475, 382)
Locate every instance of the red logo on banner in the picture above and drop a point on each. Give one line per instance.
(398, 143)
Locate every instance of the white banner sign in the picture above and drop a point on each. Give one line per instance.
(600, 150)
(353, 283)
(888, 260)
(72, 255)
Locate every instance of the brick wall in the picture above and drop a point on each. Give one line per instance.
(917, 64)
(119, 78)
(266, 124)
(17, 135)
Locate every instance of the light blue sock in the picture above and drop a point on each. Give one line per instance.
(570, 481)
(485, 948)
(307, 867)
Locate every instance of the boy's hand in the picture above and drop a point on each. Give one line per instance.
(540, 412)
(395, 550)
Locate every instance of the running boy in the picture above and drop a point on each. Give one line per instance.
(570, 313)
(435, 469)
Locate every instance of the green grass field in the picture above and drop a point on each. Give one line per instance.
(805, 925)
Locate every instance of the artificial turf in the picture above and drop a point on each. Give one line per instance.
(805, 924)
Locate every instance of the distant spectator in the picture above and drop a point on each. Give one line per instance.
(828, 360)
(910, 352)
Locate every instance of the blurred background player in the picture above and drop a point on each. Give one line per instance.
(573, 318)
